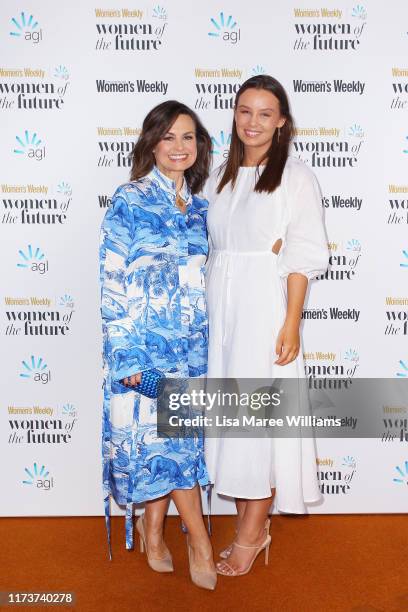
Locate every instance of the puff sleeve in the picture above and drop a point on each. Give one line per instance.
(123, 325)
(305, 249)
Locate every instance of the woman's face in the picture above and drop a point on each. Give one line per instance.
(257, 115)
(177, 150)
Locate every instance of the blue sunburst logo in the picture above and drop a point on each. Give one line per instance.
(220, 144)
(30, 256)
(258, 69)
(403, 475)
(68, 409)
(64, 188)
(34, 473)
(66, 301)
(356, 130)
(353, 245)
(406, 138)
(27, 141)
(222, 24)
(404, 263)
(351, 355)
(349, 461)
(404, 368)
(23, 24)
(34, 366)
(159, 12)
(61, 72)
(359, 12)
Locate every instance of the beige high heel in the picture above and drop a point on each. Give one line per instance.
(201, 578)
(165, 564)
(264, 546)
(224, 554)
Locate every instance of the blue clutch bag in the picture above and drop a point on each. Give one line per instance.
(150, 385)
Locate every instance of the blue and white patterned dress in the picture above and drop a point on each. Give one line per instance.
(154, 316)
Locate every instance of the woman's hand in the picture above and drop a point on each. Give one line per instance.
(287, 344)
(133, 380)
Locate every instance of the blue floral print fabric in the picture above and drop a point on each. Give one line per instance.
(153, 316)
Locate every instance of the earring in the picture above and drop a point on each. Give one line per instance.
(278, 133)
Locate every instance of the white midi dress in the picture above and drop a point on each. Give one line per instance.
(246, 299)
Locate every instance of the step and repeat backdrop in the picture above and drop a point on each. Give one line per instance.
(76, 80)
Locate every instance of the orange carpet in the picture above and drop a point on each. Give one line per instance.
(355, 563)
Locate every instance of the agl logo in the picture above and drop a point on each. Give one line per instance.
(66, 301)
(356, 130)
(69, 410)
(402, 474)
(221, 144)
(33, 260)
(403, 373)
(26, 28)
(61, 72)
(159, 13)
(36, 370)
(359, 12)
(226, 30)
(353, 245)
(258, 69)
(39, 478)
(29, 146)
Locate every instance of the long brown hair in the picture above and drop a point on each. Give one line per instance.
(155, 125)
(278, 152)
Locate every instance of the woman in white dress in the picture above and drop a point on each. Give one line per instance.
(267, 240)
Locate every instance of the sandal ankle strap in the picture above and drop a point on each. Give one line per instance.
(243, 546)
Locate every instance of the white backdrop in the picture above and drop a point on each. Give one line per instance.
(76, 80)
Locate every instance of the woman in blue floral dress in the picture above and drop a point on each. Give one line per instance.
(152, 255)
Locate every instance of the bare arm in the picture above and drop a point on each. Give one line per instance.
(288, 341)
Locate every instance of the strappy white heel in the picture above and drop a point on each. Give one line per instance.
(231, 572)
(224, 554)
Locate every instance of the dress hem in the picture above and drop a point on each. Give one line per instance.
(308, 501)
(241, 496)
(152, 498)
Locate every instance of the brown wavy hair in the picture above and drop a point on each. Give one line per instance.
(278, 152)
(155, 125)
